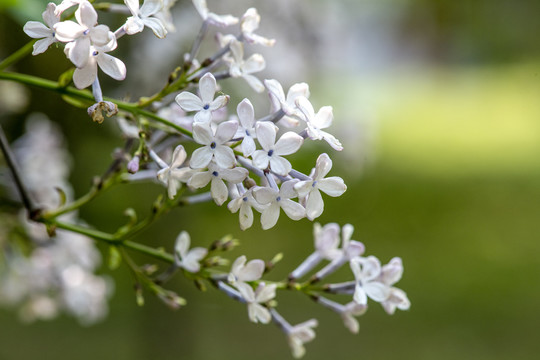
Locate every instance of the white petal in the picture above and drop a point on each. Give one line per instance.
(305, 106)
(260, 159)
(36, 30)
(246, 291)
(84, 77)
(288, 143)
(324, 117)
(279, 165)
(350, 323)
(100, 35)
(202, 134)
(323, 166)
(264, 195)
(219, 191)
(377, 291)
(150, 7)
(182, 243)
(48, 15)
(235, 175)
(246, 217)
(225, 131)
(200, 180)
(68, 30)
(112, 66)
(224, 157)
(252, 271)
(254, 63)
(201, 157)
(189, 101)
(360, 296)
(332, 186)
(219, 102)
(80, 52)
(265, 293)
(303, 187)
(42, 45)
(314, 205)
(133, 6)
(86, 15)
(270, 216)
(249, 147)
(207, 88)
(178, 157)
(246, 114)
(293, 209)
(266, 134)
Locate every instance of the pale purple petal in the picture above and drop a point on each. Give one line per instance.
(260, 159)
(249, 147)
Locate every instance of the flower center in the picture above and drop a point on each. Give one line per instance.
(215, 173)
(85, 32)
(95, 53)
(245, 199)
(213, 145)
(247, 133)
(206, 107)
(270, 152)
(278, 198)
(314, 184)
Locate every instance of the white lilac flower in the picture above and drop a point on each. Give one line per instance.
(238, 67)
(165, 15)
(216, 175)
(85, 75)
(246, 130)
(332, 186)
(205, 104)
(254, 299)
(348, 314)
(185, 258)
(277, 200)
(316, 122)
(366, 273)
(242, 272)
(144, 16)
(82, 35)
(272, 152)
(248, 24)
(351, 248)
(390, 274)
(287, 104)
(300, 334)
(173, 175)
(45, 34)
(217, 20)
(244, 204)
(214, 147)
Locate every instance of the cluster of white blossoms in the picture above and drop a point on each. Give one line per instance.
(241, 156)
(58, 274)
(334, 245)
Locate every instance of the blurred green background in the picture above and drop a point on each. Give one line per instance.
(437, 105)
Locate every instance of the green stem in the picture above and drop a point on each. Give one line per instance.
(86, 95)
(17, 55)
